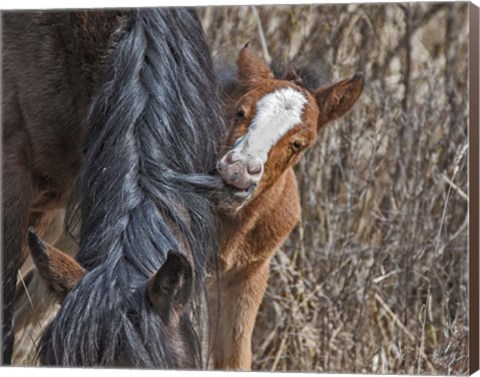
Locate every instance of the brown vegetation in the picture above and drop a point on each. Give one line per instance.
(375, 278)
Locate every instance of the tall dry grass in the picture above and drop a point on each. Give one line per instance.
(375, 278)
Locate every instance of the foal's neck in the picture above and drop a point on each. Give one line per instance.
(267, 200)
(253, 234)
(262, 210)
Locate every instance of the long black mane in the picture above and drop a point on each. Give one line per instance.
(152, 134)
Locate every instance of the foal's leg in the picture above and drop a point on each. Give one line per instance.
(17, 196)
(240, 299)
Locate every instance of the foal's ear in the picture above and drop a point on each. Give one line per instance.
(251, 69)
(292, 75)
(335, 100)
(59, 271)
(169, 290)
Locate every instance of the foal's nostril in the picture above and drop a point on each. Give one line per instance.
(233, 177)
(254, 168)
(229, 157)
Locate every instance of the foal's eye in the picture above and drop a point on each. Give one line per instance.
(240, 114)
(296, 146)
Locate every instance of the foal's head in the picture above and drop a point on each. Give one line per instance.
(168, 293)
(274, 122)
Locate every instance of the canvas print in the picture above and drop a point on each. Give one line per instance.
(269, 188)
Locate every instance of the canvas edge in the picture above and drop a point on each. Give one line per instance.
(474, 187)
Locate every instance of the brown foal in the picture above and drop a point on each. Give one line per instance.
(273, 122)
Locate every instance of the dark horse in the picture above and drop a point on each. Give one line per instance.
(124, 104)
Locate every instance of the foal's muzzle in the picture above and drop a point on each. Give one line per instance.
(241, 173)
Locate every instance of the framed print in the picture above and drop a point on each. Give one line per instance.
(281, 188)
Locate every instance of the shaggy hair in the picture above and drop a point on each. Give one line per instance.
(152, 134)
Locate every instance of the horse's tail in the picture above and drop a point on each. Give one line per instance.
(152, 133)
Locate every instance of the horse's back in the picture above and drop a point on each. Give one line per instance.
(52, 63)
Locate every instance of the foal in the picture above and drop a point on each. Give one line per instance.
(273, 122)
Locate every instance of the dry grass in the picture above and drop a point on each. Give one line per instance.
(375, 278)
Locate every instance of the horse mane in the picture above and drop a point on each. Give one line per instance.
(153, 132)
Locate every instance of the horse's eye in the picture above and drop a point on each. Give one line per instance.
(296, 146)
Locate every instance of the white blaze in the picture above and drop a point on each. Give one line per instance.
(277, 113)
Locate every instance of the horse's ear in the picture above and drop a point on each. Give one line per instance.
(251, 68)
(169, 290)
(59, 271)
(335, 100)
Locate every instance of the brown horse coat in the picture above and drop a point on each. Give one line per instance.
(257, 219)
